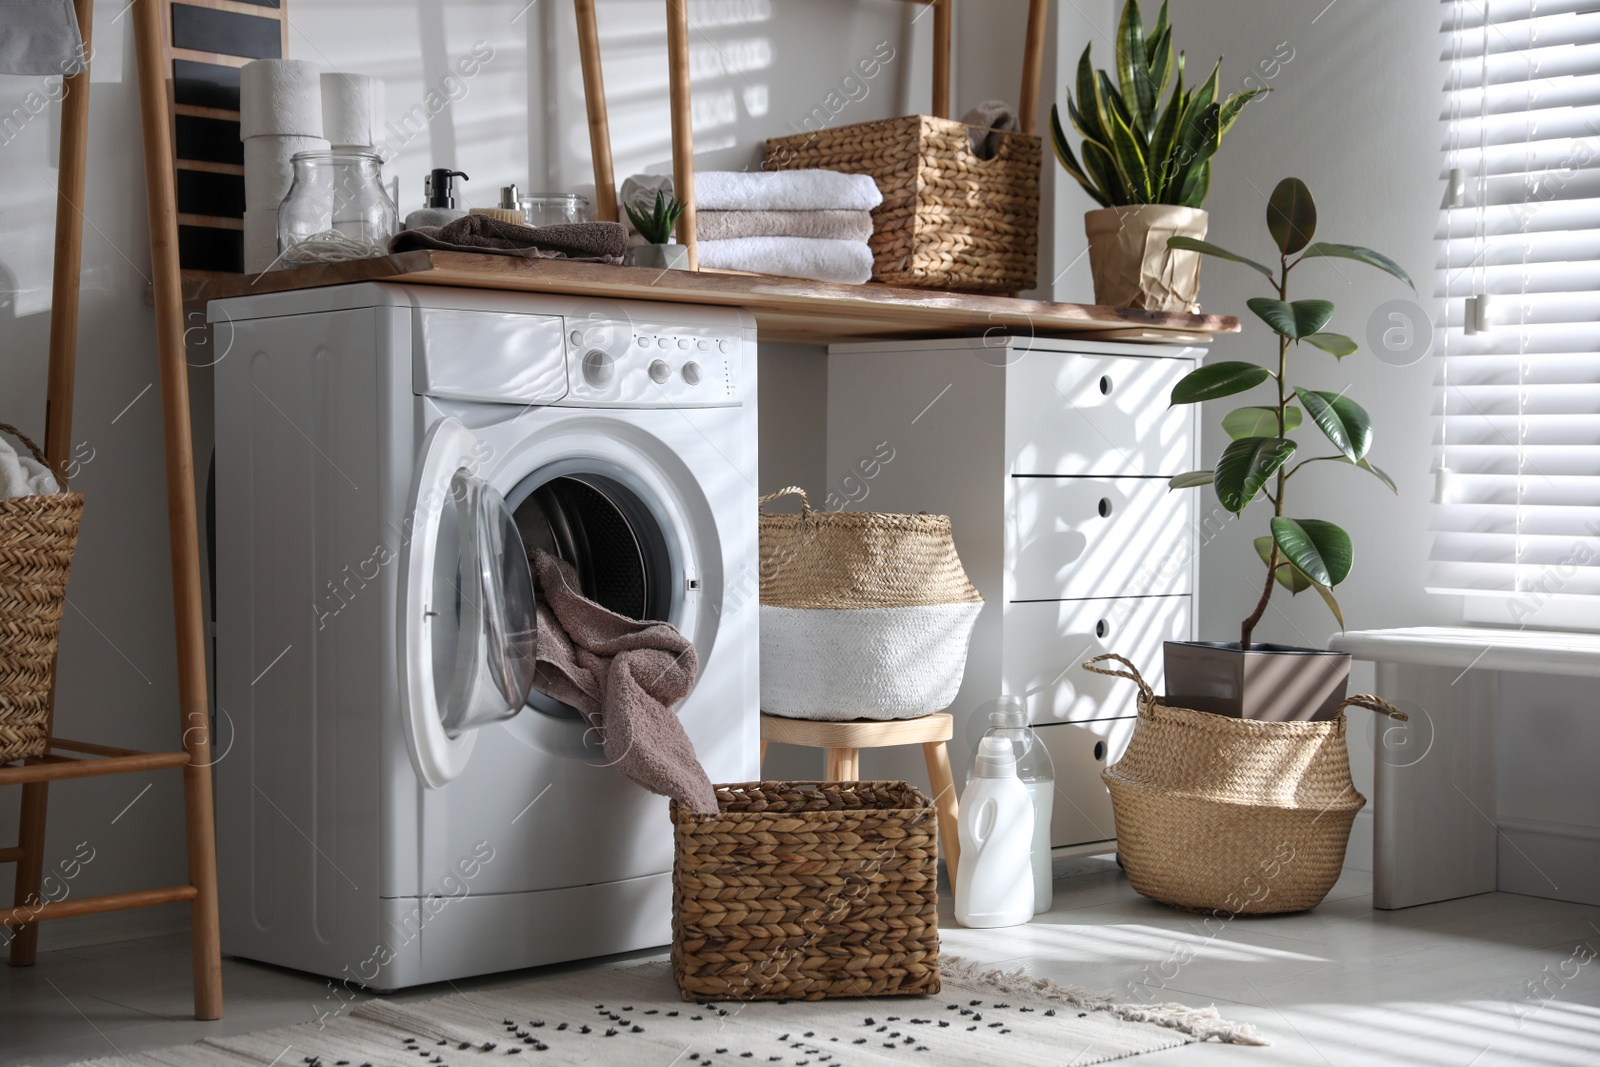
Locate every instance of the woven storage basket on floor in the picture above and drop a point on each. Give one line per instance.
(863, 616)
(806, 890)
(1239, 816)
(37, 537)
(949, 220)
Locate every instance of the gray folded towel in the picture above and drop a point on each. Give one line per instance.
(829, 225)
(624, 676)
(592, 242)
(995, 116)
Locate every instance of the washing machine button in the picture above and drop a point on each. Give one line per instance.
(691, 372)
(660, 371)
(599, 368)
(703, 345)
(722, 346)
(665, 342)
(683, 342)
(576, 337)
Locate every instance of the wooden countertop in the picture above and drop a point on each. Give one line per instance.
(786, 309)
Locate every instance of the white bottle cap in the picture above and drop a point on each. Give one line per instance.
(996, 759)
(1009, 710)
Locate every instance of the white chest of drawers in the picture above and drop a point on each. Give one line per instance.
(1051, 459)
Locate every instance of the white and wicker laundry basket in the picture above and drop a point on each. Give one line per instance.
(863, 615)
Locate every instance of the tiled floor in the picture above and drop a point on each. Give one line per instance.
(1481, 981)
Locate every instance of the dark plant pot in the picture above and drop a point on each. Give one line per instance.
(1276, 683)
(661, 257)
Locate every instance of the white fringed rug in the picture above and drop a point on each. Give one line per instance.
(633, 1017)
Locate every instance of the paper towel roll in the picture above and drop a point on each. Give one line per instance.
(352, 109)
(280, 97)
(268, 172)
(260, 238)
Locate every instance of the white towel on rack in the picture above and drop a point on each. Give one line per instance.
(820, 259)
(785, 190)
(22, 475)
(40, 37)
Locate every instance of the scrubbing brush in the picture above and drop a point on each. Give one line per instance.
(508, 209)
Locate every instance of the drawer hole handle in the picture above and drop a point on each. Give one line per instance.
(1105, 507)
(1102, 629)
(1106, 385)
(1099, 751)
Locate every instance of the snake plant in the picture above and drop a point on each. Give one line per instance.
(1136, 151)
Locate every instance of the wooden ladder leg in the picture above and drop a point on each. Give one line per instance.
(944, 802)
(195, 718)
(30, 869)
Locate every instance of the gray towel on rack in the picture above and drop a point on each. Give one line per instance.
(592, 242)
(995, 117)
(624, 676)
(40, 37)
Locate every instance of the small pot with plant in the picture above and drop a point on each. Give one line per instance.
(1249, 679)
(655, 226)
(1147, 165)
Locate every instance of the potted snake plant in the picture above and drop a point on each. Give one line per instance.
(1248, 678)
(1146, 164)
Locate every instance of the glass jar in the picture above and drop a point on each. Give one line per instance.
(554, 209)
(337, 209)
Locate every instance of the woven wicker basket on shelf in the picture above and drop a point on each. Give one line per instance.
(949, 220)
(37, 537)
(863, 615)
(1240, 816)
(806, 890)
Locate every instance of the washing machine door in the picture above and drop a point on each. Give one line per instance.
(468, 624)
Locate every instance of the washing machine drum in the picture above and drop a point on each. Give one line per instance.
(609, 536)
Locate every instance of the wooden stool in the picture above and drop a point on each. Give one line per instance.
(843, 742)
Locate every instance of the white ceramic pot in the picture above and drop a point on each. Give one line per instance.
(661, 257)
(1130, 260)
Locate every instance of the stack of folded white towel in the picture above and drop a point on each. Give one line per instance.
(797, 223)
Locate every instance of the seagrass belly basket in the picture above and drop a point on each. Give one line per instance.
(1232, 816)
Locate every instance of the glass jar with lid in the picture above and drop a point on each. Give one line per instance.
(337, 209)
(554, 209)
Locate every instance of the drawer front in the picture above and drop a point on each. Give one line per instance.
(1047, 641)
(1070, 538)
(1082, 809)
(1089, 414)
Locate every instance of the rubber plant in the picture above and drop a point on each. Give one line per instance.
(1135, 150)
(1299, 553)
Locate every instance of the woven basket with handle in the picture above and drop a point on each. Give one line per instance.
(37, 537)
(1238, 816)
(806, 890)
(863, 615)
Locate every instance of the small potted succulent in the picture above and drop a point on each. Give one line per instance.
(1254, 680)
(1147, 166)
(655, 226)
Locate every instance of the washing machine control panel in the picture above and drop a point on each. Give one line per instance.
(651, 364)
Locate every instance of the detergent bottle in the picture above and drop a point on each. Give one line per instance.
(994, 879)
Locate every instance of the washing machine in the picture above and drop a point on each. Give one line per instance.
(393, 806)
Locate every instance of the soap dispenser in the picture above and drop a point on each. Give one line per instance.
(439, 192)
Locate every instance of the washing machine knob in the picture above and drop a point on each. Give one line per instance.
(722, 346)
(691, 372)
(660, 371)
(599, 368)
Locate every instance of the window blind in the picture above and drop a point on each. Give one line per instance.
(1516, 517)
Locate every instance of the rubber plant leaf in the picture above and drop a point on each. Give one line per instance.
(1218, 380)
(1288, 575)
(1260, 421)
(1341, 420)
(1189, 479)
(1291, 215)
(1294, 320)
(1334, 343)
(1210, 249)
(1324, 249)
(1244, 467)
(1320, 549)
